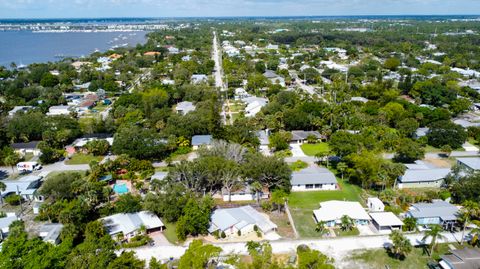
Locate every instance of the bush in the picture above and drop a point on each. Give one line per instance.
(255, 228)
(13, 199)
(239, 233)
(267, 206)
(223, 235)
(2, 214)
(216, 234)
(259, 234)
(137, 241)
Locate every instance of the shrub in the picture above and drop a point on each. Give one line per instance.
(255, 228)
(2, 214)
(239, 233)
(259, 234)
(216, 234)
(13, 199)
(223, 235)
(267, 206)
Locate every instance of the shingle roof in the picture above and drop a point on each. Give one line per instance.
(223, 219)
(50, 232)
(313, 175)
(28, 145)
(437, 208)
(302, 135)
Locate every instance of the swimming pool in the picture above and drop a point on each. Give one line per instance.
(120, 188)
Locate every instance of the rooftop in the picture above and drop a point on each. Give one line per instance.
(472, 163)
(386, 219)
(467, 258)
(424, 175)
(127, 223)
(437, 208)
(198, 140)
(223, 219)
(50, 232)
(313, 175)
(335, 210)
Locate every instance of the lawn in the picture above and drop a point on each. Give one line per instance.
(302, 204)
(379, 258)
(352, 232)
(171, 233)
(313, 149)
(83, 159)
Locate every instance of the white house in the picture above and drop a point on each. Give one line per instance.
(314, 178)
(27, 148)
(243, 219)
(5, 224)
(199, 78)
(17, 109)
(185, 107)
(25, 186)
(470, 164)
(331, 212)
(300, 137)
(59, 110)
(201, 140)
(386, 221)
(50, 232)
(244, 193)
(375, 205)
(130, 224)
(254, 105)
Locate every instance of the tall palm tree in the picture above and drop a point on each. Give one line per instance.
(342, 167)
(401, 245)
(435, 233)
(321, 227)
(475, 232)
(257, 188)
(346, 223)
(2, 189)
(469, 210)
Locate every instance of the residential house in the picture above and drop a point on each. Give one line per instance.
(5, 223)
(172, 50)
(469, 164)
(359, 99)
(466, 258)
(264, 141)
(331, 212)
(26, 187)
(271, 47)
(421, 132)
(128, 225)
(27, 148)
(244, 193)
(16, 109)
(420, 175)
(438, 212)
(314, 178)
(59, 110)
(386, 221)
(240, 220)
(300, 137)
(159, 176)
(201, 140)
(50, 232)
(185, 107)
(254, 105)
(375, 205)
(274, 78)
(199, 78)
(241, 93)
(79, 144)
(151, 53)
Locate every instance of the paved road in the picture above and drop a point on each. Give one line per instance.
(435, 155)
(338, 248)
(58, 166)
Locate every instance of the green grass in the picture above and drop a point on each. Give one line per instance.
(313, 149)
(171, 233)
(83, 159)
(298, 165)
(352, 232)
(28, 157)
(302, 204)
(379, 258)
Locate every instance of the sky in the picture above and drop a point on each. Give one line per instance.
(221, 8)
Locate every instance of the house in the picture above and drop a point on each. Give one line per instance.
(271, 47)
(244, 193)
(201, 140)
(420, 175)
(421, 132)
(79, 144)
(386, 221)
(50, 232)
(16, 109)
(466, 258)
(168, 82)
(314, 178)
(241, 93)
(172, 50)
(469, 164)
(151, 53)
(5, 223)
(359, 99)
(274, 78)
(159, 176)
(185, 107)
(331, 212)
(129, 225)
(300, 137)
(59, 110)
(27, 148)
(375, 205)
(264, 141)
(240, 220)
(26, 187)
(254, 105)
(438, 212)
(199, 78)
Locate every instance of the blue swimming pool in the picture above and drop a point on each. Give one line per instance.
(120, 188)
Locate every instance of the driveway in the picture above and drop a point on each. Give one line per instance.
(297, 151)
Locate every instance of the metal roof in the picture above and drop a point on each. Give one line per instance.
(467, 258)
(424, 175)
(473, 163)
(437, 208)
(127, 223)
(6, 221)
(334, 210)
(50, 232)
(302, 135)
(313, 175)
(386, 219)
(223, 219)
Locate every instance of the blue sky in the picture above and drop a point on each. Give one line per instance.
(203, 8)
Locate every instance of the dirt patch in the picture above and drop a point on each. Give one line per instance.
(441, 163)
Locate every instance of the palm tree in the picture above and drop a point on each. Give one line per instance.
(11, 159)
(321, 227)
(342, 167)
(470, 209)
(401, 245)
(346, 223)
(409, 224)
(2, 189)
(257, 188)
(475, 232)
(435, 233)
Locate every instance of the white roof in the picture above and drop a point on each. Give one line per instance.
(223, 219)
(127, 223)
(375, 201)
(335, 210)
(386, 219)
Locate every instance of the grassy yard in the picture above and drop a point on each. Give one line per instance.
(302, 204)
(171, 233)
(83, 159)
(313, 149)
(353, 232)
(379, 258)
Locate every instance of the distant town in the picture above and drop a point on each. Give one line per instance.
(246, 143)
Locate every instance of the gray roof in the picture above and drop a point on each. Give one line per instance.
(223, 219)
(472, 163)
(467, 258)
(424, 175)
(421, 132)
(28, 145)
(302, 135)
(437, 208)
(185, 107)
(24, 185)
(198, 140)
(270, 74)
(263, 137)
(127, 223)
(6, 221)
(313, 175)
(50, 232)
(159, 175)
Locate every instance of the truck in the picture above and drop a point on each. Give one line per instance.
(28, 167)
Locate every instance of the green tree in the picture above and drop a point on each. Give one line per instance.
(435, 233)
(321, 228)
(97, 147)
(409, 224)
(309, 259)
(195, 219)
(346, 223)
(128, 203)
(392, 63)
(127, 260)
(198, 255)
(469, 210)
(401, 245)
(279, 141)
(270, 171)
(446, 133)
(409, 151)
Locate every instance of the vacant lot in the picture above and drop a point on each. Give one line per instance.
(313, 149)
(302, 204)
(83, 159)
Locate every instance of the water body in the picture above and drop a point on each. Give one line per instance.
(26, 47)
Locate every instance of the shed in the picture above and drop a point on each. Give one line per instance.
(375, 204)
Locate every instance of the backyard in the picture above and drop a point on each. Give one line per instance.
(302, 204)
(313, 149)
(379, 258)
